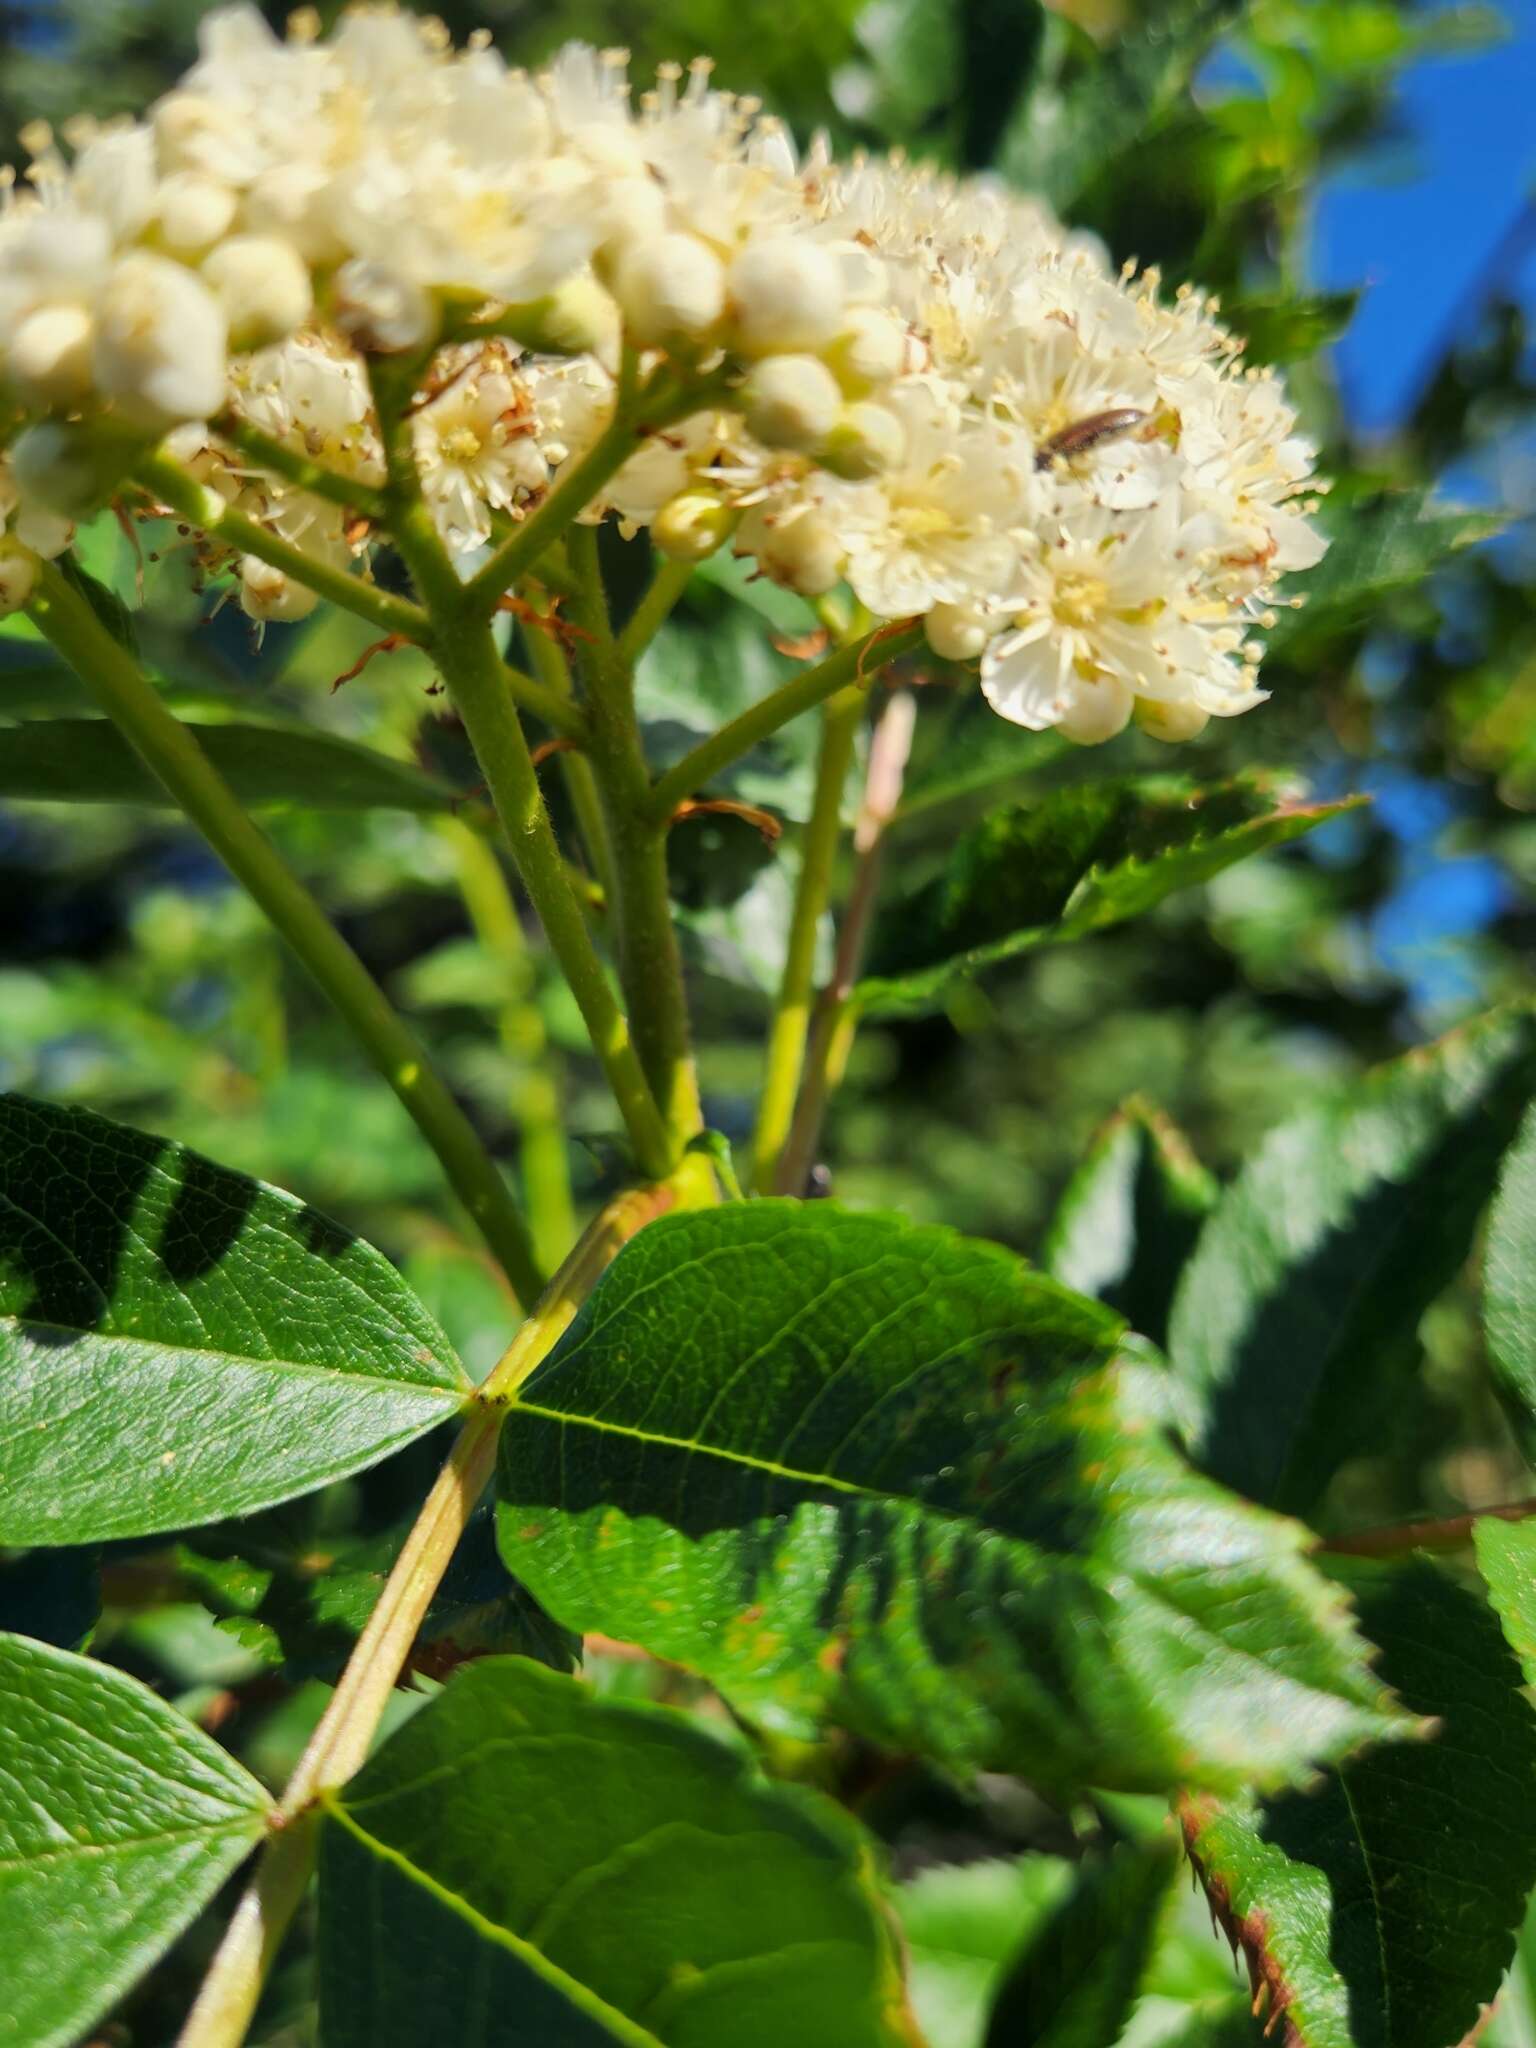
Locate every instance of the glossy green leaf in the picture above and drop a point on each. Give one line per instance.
(1506, 1557)
(527, 1862)
(179, 1343)
(1375, 548)
(1296, 1317)
(86, 760)
(118, 1822)
(1379, 1910)
(1088, 856)
(1509, 1280)
(848, 1467)
(1129, 1217)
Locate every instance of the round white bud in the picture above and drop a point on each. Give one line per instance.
(382, 312)
(799, 549)
(1100, 709)
(193, 212)
(786, 295)
(161, 343)
(956, 632)
(64, 468)
(1171, 722)
(867, 441)
(60, 254)
(868, 352)
(49, 359)
(791, 401)
(263, 287)
(670, 289)
(18, 575)
(268, 594)
(630, 211)
(692, 525)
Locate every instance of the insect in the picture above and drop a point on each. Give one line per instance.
(1088, 433)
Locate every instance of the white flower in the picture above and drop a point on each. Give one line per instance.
(476, 452)
(160, 345)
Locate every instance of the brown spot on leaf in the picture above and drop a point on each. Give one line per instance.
(1248, 1932)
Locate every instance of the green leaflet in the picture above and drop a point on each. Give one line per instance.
(1509, 1281)
(179, 1343)
(118, 1822)
(963, 1924)
(1506, 1557)
(86, 760)
(1393, 540)
(1380, 1909)
(525, 1862)
(1088, 856)
(1296, 1317)
(1129, 1217)
(850, 1468)
(1080, 1975)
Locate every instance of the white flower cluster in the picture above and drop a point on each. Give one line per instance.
(918, 386)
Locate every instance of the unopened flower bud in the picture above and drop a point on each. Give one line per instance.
(1171, 722)
(786, 295)
(193, 212)
(632, 211)
(669, 290)
(160, 349)
(66, 467)
(263, 287)
(866, 441)
(692, 525)
(577, 318)
(49, 359)
(382, 312)
(1100, 709)
(791, 401)
(799, 549)
(869, 351)
(18, 575)
(268, 595)
(956, 632)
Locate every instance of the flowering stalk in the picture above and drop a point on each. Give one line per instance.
(282, 459)
(666, 586)
(860, 661)
(650, 970)
(174, 758)
(554, 671)
(471, 666)
(836, 1018)
(228, 1997)
(840, 720)
(202, 507)
(535, 1093)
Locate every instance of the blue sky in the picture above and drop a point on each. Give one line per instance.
(1426, 225)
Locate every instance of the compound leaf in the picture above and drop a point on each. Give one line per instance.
(118, 1822)
(179, 1343)
(1379, 1910)
(525, 1861)
(851, 1468)
(1295, 1318)
(1088, 856)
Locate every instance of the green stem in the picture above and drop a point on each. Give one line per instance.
(202, 507)
(230, 1991)
(650, 967)
(470, 663)
(791, 1017)
(553, 706)
(836, 1019)
(554, 672)
(535, 1093)
(859, 662)
(666, 586)
(174, 758)
(574, 492)
(280, 458)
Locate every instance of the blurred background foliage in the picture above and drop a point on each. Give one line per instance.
(1194, 134)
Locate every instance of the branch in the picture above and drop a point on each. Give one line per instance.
(1449, 1532)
